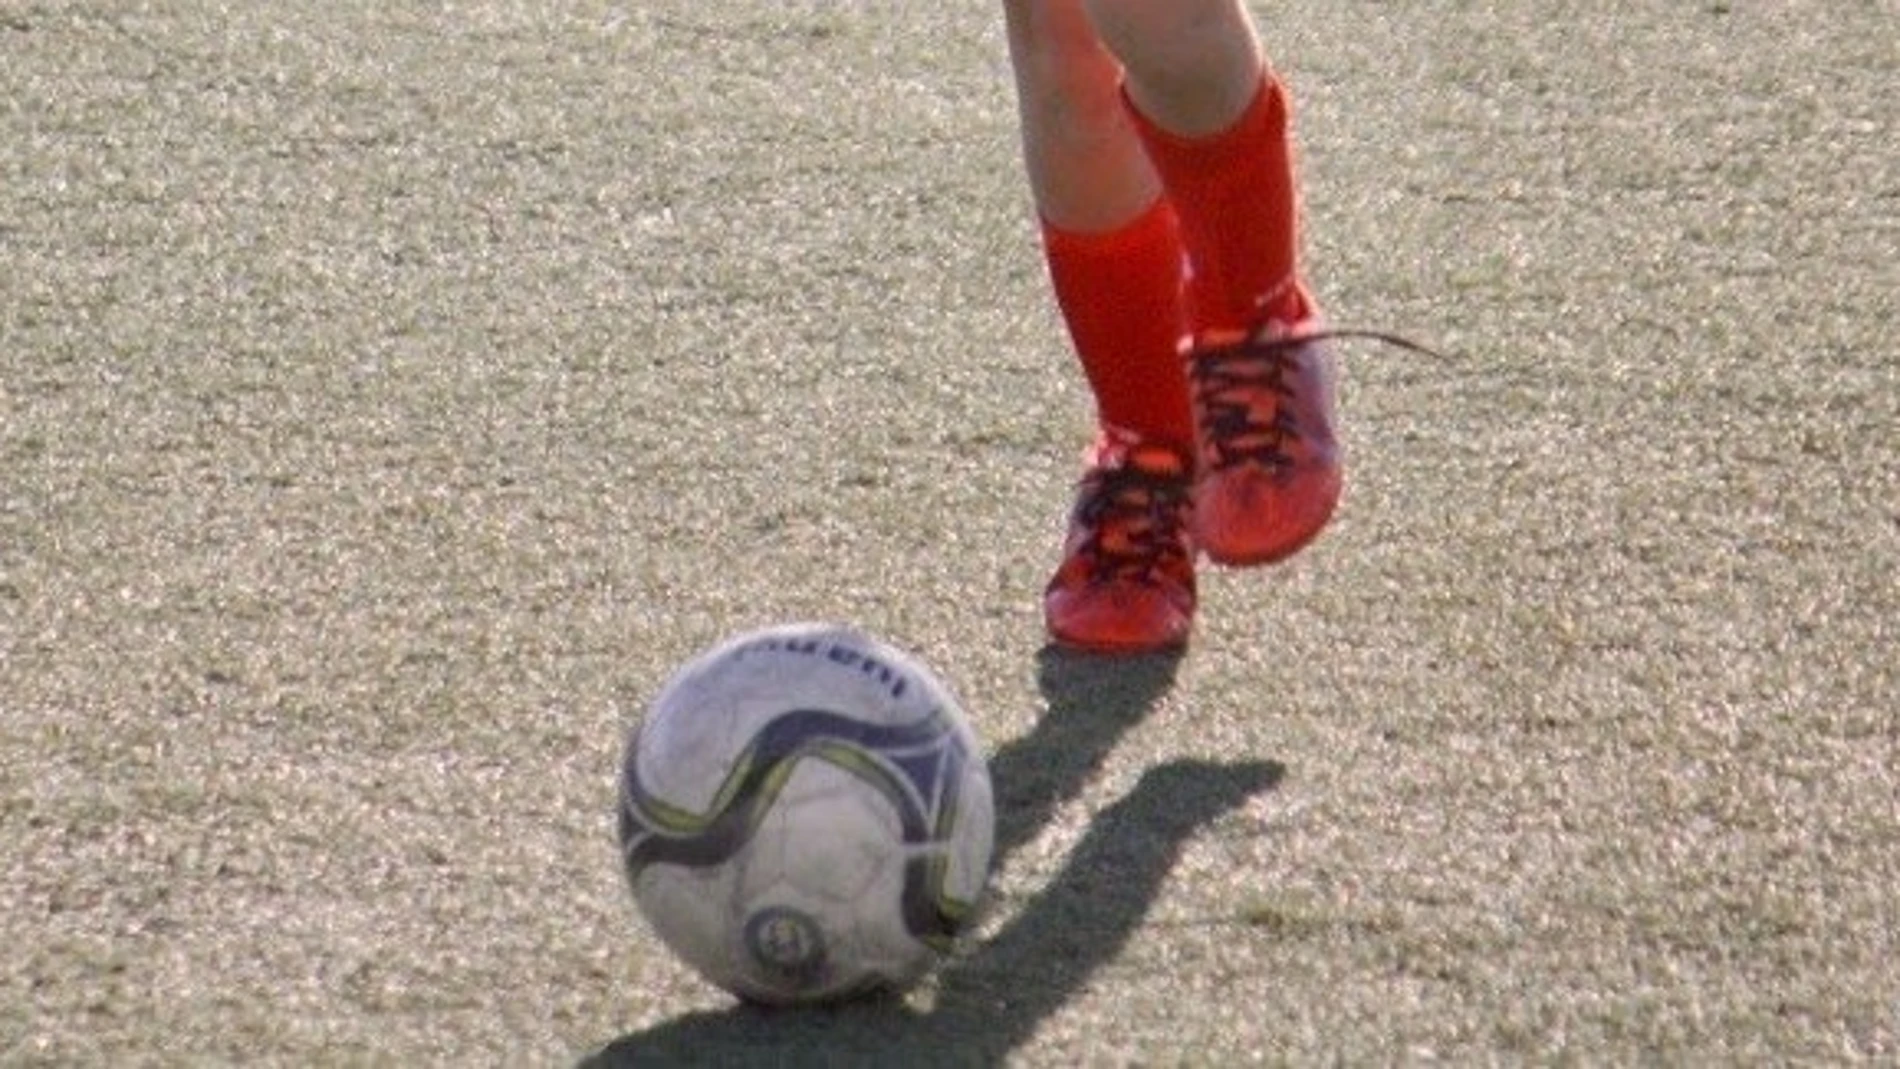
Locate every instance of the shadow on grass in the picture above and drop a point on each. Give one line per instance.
(990, 1000)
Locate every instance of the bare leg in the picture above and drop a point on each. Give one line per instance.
(1193, 65)
(1087, 170)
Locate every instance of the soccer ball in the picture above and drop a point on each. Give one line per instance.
(805, 816)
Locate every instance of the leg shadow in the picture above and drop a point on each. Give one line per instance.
(991, 1001)
(1092, 702)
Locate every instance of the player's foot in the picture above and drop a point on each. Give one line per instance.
(1269, 472)
(1126, 583)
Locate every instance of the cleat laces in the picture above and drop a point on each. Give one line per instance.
(1239, 388)
(1135, 520)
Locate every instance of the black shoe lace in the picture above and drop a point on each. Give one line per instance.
(1136, 521)
(1226, 378)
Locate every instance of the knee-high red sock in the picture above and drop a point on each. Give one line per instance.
(1120, 293)
(1234, 191)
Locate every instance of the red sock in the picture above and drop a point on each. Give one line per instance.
(1235, 195)
(1121, 295)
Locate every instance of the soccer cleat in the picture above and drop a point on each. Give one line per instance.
(1126, 582)
(1269, 467)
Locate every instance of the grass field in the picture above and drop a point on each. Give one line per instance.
(391, 394)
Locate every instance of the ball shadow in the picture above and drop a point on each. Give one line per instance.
(991, 999)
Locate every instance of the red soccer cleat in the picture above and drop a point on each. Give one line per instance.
(1126, 583)
(1269, 467)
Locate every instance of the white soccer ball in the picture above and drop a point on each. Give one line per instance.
(806, 816)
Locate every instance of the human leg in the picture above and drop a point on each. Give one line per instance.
(1213, 122)
(1115, 260)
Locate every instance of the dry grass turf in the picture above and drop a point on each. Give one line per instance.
(392, 393)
